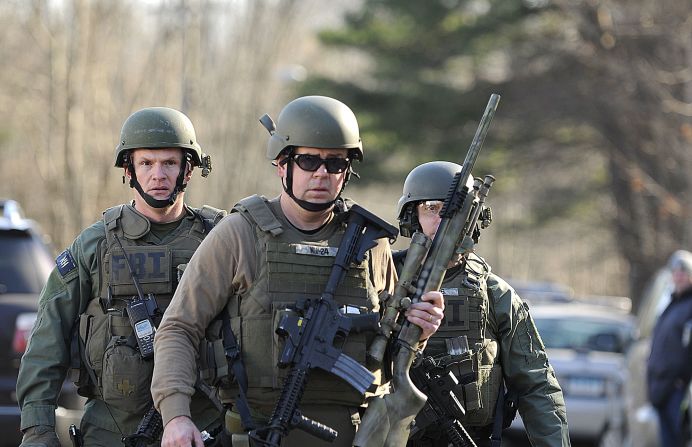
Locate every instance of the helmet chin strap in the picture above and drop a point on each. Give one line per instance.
(308, 206)
(157, 203)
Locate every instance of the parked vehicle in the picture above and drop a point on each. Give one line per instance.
(586, 345)
(538, 292)
(26, 260)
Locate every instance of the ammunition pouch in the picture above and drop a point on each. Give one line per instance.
(487, 387)
(213, 364)
(126, 377)
(111, 355)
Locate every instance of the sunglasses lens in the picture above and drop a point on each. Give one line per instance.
(308, 162)
(336, 165)
(311, 163)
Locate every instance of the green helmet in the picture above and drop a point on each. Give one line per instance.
(314, 121)
(429, 181)
(160, 127)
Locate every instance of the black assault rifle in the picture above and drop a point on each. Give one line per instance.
(388, 418)
(310, 339)
(443, 409)
(150, 429)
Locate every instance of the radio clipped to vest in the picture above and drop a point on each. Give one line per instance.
(140, 312)
(143, 313)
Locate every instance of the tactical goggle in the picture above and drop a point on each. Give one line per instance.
(431, 207)
(311, 163)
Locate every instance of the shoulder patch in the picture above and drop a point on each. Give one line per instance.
(65, 263)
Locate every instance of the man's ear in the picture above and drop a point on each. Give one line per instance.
(188, 171)
(280, 167)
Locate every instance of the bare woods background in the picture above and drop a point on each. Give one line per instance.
(590, 145)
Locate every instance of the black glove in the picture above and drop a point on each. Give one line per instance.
(40, 436)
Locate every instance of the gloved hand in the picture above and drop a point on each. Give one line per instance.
(40, 436)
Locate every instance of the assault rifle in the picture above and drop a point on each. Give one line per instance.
(150, 429)
(443, 408)
(388, 418)
(310, 338)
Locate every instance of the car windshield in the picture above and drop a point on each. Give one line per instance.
(24, 263)
(582, 334)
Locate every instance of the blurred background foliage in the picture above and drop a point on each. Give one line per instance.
(590, 144)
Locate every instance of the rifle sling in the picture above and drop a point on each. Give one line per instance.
(230, 346)
(496, 436)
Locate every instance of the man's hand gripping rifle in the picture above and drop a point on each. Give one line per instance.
(388, 419)
(313, 340)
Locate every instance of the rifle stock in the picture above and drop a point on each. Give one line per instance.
(388, 419)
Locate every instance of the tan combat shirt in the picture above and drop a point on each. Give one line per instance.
(225, 264)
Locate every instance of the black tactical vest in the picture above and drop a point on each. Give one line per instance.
(468, 313)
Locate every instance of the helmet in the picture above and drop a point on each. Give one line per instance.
(314, 121)
(159, 127)
(429, 181)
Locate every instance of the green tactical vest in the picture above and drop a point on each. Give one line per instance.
(293, 266)
(105, 332)
(467, 312)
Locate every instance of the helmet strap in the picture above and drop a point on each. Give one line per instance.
(157, 203)
(408, 224)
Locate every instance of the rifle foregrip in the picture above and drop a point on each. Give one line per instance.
(288, 402)
(314, 428)
(458, 436)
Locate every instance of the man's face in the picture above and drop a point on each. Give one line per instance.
(429, 216)
(682, 279)
(157, 170)
(319, 186)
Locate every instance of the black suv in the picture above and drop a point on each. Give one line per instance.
(26, 260)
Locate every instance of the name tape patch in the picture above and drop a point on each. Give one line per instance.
(450, 291)
(65, 263)
(303, 249)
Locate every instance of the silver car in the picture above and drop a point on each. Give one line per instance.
(586, 345)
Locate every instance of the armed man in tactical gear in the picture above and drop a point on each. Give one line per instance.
(98, 312)
(487, 313)
(264, 258)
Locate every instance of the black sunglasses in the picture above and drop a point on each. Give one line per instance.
(312, 163)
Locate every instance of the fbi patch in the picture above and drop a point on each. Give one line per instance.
(65, 263)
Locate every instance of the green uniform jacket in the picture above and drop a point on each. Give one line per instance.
(74, 282)
(525, 367)
(500, 329)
